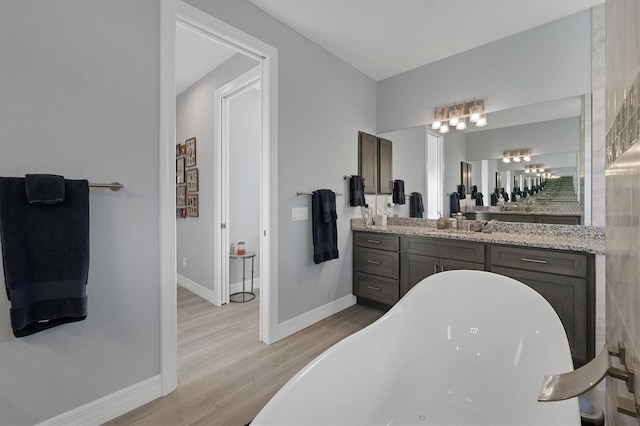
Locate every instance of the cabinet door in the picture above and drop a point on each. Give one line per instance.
(368, 161)
(385, 170)
(568, 296)
(415, 268)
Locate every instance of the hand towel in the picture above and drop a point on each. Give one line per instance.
(494, 199)
(416, 206)
(474, 191)
(479, 199)
(44, 189)
(505, 196)
(454, 203)
(45, 249)
(325, 233)
(398, 192)
(356, 191)
(462, 192)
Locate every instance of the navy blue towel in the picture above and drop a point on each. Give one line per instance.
(462, 192)
(398, 192)
(474, 192)
(44, 189)
(479, 199)
(356, 191)
(45, 249)
(416, 206)
(325, 232)
(494, 199)
(454, 203)
(505, 195)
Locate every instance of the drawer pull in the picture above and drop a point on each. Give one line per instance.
(375, 262)
(526, 259)
(374, 241)
(374, 288)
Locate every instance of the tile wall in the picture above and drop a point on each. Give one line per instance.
(622, 176)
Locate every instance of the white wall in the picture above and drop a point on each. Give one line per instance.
(323, 103)
(79, 83)
(547, 137)
(245, 145)
(545, 63)
(195, 118)
(409, 159)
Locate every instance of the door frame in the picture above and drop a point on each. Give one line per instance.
(222, 217)
(171, 12)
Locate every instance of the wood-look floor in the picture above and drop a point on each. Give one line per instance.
(225, 375)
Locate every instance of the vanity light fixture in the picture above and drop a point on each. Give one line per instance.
(456, 116)
(533, 168)
(516, 155)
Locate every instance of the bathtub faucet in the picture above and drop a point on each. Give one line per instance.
(574, 383)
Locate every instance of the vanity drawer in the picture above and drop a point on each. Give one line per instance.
(377, 262)
(457, 250)
(379, 289)
(377, 241)
(540, 260)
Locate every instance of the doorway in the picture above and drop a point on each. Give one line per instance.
(173, 12)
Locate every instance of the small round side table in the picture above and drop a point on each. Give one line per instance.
(244, 296)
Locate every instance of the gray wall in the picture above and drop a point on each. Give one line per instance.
(622, 200)
(245, 140)
(549, 62)
(194, 118)
(409, 159)
(323, 102)
(547, 137)
(454, 152)
(80, 98)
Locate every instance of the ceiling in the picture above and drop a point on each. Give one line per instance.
(383, 38)
(196, 56)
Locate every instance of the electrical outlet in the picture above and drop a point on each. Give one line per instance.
(299, 213)
(184, 262)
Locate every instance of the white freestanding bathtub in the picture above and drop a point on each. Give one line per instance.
(461, 348)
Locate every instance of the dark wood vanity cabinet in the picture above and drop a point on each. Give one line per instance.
(387, 266)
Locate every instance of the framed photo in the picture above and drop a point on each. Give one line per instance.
(183, 150)
(192, 205)
(178, 150)
(191, 152)
(180, 171)
(192, 180)
(181, 196)
(181, 212)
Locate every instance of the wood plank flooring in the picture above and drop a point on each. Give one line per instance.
(225, 375)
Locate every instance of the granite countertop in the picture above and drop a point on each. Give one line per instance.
(532, 212)
(585, 243)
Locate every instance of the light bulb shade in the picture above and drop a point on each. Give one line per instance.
(444, 127)
(475, 111)
(516, 159)
(482, 120)
(506, 160)
(527, 158)
(462, 124)
(435, 125)
(454, 116)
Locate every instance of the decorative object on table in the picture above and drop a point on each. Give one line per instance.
(191, 152)
(243, 296)
(192, 205)
(241, 249)
(181, 196)
(181, 212)
(180, 171)
(192, 180)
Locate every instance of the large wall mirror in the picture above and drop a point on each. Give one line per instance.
(557, 133)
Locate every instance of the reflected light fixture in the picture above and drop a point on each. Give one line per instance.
(516, 155)
(506, 159)
(456, 116)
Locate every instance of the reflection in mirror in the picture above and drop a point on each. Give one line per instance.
(555, 132)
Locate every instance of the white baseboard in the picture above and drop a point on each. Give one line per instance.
(300, 322)
(236, 287)
(198, 289)
(111, 406)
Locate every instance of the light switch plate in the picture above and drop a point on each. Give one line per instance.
(300, 213)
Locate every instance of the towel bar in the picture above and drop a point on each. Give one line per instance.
(300, 193)
(115, 186)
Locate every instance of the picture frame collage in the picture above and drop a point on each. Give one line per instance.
(625, 129)
(187, 180)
